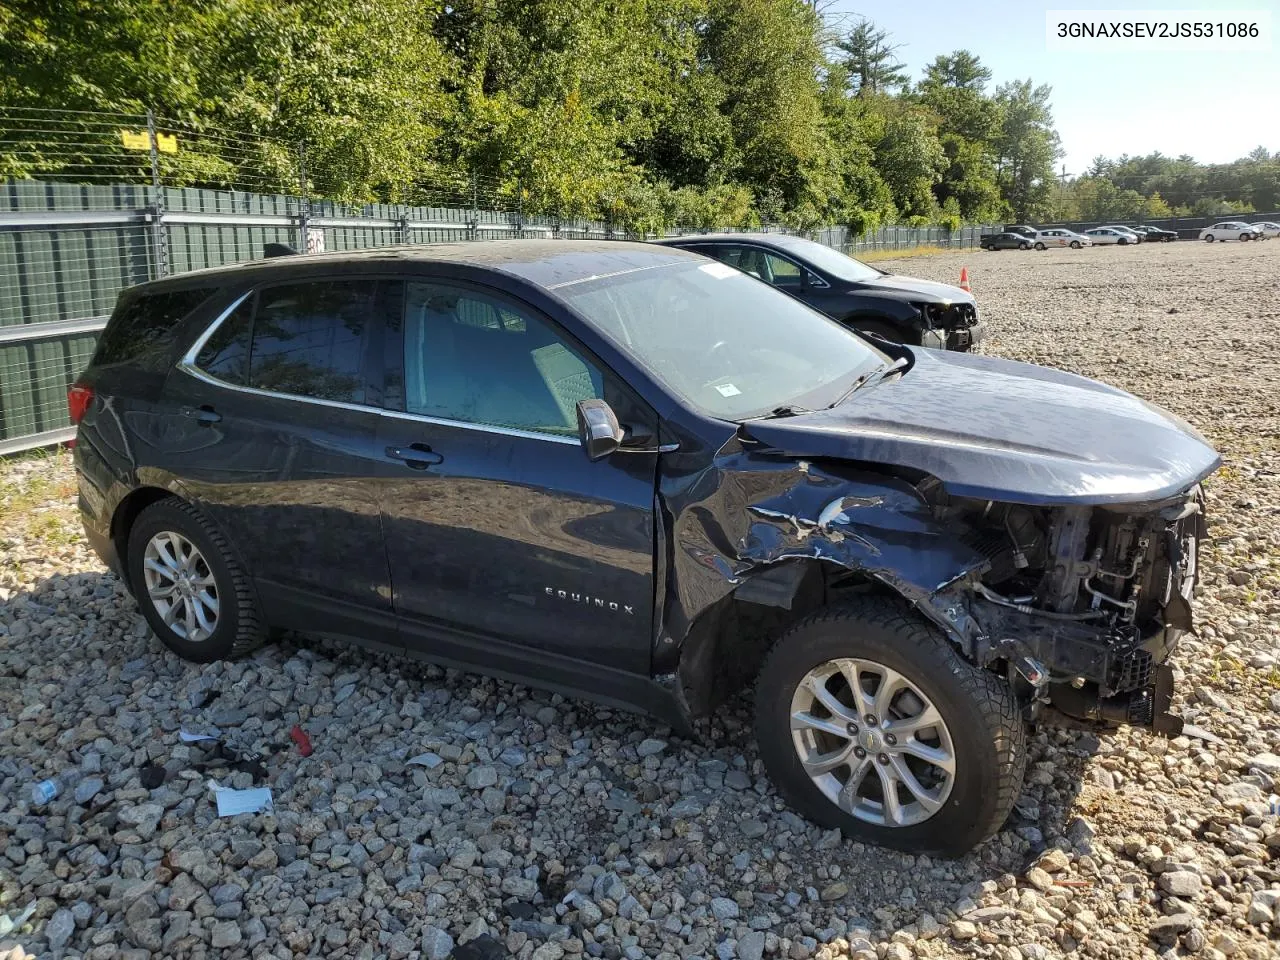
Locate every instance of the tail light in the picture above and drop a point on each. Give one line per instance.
(79, 397)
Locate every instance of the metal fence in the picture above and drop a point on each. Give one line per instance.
(93, 203)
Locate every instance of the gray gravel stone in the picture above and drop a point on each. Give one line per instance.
(436, 944)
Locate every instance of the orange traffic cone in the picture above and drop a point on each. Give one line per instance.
(964, 279)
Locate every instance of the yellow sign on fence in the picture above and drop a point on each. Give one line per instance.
(138, 140)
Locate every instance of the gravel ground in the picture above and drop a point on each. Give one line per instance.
(532, 826)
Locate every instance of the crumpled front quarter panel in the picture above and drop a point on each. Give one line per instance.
(749, 510)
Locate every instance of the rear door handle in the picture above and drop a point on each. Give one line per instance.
(417, 456)
(204, 415)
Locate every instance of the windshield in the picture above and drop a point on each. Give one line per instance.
(729, 345)
(831, 261)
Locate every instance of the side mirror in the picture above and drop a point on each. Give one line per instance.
(598, 429)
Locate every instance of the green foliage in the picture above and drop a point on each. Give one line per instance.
(646, 113)
(1160, 186)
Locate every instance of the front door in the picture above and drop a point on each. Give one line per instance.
(496, 524)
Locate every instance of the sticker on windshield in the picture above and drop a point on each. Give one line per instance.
(727, 389)
(719, 271)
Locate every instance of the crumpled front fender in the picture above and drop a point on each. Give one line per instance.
(751, 510)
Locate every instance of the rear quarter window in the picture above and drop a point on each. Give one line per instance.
(143, 329)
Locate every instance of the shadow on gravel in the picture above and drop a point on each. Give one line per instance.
(697, 815)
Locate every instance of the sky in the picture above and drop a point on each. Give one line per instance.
(1216, 106)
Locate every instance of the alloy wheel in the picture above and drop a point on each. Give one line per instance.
(872, 742)
(181, 585)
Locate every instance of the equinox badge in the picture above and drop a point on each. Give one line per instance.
(590, 601)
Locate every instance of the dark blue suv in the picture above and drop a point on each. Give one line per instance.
(636, 474)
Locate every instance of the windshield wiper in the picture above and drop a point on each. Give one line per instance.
(879, 374)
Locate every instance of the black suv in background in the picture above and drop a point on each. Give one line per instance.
(624, 471)
(898, 309)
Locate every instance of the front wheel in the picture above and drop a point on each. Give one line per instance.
(869, 720)
(1039, 245)
(1075, 244)
(1208, 238)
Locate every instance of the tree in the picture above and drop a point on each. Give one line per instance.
(954, 88)
(1026, 149)
(870, 62)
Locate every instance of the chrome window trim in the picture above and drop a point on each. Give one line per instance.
(188, 366)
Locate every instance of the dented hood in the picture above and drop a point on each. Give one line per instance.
(1001, 430)
(911, 288)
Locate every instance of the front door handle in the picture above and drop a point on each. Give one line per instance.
(417, 456)
(204, 415)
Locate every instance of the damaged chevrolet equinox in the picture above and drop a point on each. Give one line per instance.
(635, 474)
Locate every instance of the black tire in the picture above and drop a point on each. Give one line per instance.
(239, 626)
(1123, 241)
(1075, 244)
(1245, 236)
(1040, 245)
(1024, 246)
(1208, 238)
(979, 709)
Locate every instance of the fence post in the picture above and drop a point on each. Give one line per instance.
(404, 226)
(473, 229)
(159, 232)
(519, 209)
(304, 202)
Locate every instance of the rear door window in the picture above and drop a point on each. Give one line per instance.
(142, 330)
(312, 339)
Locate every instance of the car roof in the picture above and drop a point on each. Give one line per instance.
(783, 241)
(546, 263)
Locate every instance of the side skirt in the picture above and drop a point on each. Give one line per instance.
(292, 609)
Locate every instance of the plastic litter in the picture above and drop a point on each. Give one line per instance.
(46, 790)
(299, 736)
(428, 760)
(187, 737)
(232, 802)
(9, 924)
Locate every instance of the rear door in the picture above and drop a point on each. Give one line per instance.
(277, 409)
(497, 526)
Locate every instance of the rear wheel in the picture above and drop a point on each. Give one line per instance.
(1023, 246)
(189, 585)
(869, 720)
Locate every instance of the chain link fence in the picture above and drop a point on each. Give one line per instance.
(92, 203)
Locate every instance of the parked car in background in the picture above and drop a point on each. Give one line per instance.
(1059, 237)
(1155, 234)
(900, 309)
(1102, 236)
(623, 471)
(1131, 235)
(1266, 229)
(1005, 241)
(1228, 230)
(1020, 228)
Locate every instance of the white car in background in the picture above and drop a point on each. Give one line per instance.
(1105, 235)
(1131, 236)
(1229, 230)
(1058, 237)
(1266, 229)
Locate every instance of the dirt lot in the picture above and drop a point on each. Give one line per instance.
(538, 827)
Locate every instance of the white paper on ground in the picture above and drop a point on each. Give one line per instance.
(188, 737)
(232, 802)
